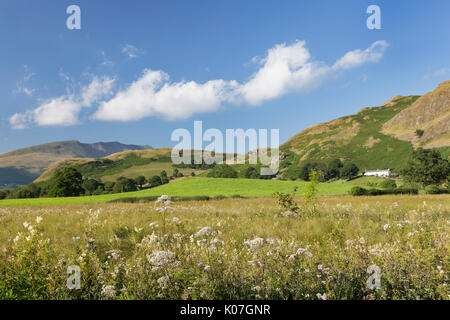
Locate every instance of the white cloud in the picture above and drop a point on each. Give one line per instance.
(130, 51)
(64, 110)
(285, 69)
(97, 89)
(21, 86)
(153, 95)
(357, 57)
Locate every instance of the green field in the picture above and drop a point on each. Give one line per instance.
(195, 187)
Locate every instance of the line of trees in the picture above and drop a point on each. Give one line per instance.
(335, 169)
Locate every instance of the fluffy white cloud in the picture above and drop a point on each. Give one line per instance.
(97, 89)
(153, 95)
(64, 110)
(285, 69)
(357, 57)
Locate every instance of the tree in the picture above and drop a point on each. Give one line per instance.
(124, 185)
(334, 168)
(155, 181)
(223, 171)
(3, 194)
(175, 173)
(90, 185)
(311, 187)
(66, 182)
(141, 181)
(252, 173)
(109, 186)
(349, 170)
(426, 166)
(419, 133)
(164, 178)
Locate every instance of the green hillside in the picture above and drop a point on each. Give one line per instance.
(355, 138)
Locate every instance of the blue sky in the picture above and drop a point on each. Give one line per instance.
(137, 70)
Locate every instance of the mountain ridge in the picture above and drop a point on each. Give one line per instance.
(28, 163)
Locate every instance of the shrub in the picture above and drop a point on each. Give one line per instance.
(433, 189)
(357, 191)
(286, 201)
(223, 171)
(388, 184)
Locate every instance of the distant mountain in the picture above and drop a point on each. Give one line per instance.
(375, 137)
(22, 166)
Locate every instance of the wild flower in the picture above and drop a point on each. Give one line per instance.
(205, 231)
(161, 258)
(322, 296)
(254, 244)
(153, 225)
(272, 241)
(163, 282)
(175, 220)
(386, 226)
(108, 292)
(304, 251)
(38, 219)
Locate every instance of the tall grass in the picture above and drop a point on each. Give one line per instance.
(229, 249)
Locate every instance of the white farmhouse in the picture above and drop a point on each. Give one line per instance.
(378, 173)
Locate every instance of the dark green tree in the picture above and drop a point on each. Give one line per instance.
(349, 170)
(66, 182)
(109, 186)
(427, 167)
(222, 171)
(90, 185)
(252, 173)
(334, 169)
(155, 181)
(141, 181)
(124, 185)
(164, 178)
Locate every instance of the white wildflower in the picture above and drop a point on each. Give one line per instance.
(322, 296)
(205, 231)
(38, 219)
(161, 258)
(163, 282)
(255, 243)
(109, 292)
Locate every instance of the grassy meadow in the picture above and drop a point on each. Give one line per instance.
(198, 186)
(229, 249)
